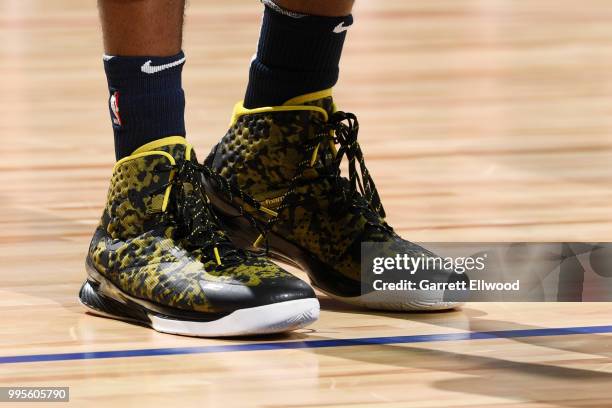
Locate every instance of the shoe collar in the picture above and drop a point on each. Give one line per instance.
(293, 104)
(166, 141)
(154, 148)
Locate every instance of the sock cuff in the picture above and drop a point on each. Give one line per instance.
(122, 67)
(309, 24)
(272, 4)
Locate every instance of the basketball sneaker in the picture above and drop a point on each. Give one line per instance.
(288, 159)
(159, 257)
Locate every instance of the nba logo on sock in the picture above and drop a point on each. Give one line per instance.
(113, 103)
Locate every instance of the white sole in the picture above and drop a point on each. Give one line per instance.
(102, 298)
(274, 318)
(414, 301)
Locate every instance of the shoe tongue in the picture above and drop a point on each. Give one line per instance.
(176, 146)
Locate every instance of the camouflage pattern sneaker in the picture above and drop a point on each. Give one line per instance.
(159, 258)
(288, 159)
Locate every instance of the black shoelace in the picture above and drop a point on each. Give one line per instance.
(346, 138)
(358, 193)
(190, 212)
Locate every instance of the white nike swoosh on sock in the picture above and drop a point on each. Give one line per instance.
(148, 69)
(341, 28)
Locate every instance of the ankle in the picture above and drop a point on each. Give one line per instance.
(296, 54)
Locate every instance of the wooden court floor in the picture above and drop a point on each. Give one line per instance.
(481, 120)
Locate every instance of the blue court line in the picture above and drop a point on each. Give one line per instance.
(292, 345)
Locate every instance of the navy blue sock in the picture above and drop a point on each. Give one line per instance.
(296, 54)
(146, 99)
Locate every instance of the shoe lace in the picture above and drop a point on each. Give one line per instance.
(357, 194)
(190, 212)
(232, 191)
(346, 138)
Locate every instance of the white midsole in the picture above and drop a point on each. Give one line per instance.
(272, 318)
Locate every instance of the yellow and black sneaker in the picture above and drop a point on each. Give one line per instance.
(288, 159)
(160, 258)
